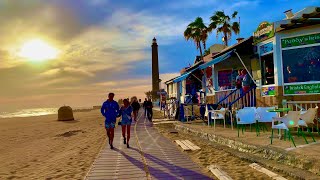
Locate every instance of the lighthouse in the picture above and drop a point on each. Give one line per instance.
(155, 66)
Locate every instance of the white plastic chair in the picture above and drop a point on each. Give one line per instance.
(263, 116)
(306, 119)
(217, 114)
(245, 116)
(289, 120)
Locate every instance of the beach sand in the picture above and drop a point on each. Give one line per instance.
(44, 148)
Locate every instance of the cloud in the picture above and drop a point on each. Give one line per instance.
(96, 57)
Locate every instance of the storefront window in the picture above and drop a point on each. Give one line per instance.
(301, 64)
(227, 79)
(267, 69)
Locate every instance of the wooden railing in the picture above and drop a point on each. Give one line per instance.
(225, 97)
(244, 99)
(303, 106)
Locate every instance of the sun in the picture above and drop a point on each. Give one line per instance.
(38, 50)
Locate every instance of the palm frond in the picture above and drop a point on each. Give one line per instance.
(234, 14)
(235, 27)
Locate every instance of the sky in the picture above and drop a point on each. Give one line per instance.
(105, 45)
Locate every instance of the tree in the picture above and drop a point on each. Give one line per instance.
(148, 94)
(206, 52)
(198, 32)
(222, 24)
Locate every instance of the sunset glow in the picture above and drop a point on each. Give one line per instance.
(38, 50)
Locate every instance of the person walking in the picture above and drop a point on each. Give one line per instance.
(136, 106)
(149, 107)
(110, 110)
(125, 112)
(144, 106)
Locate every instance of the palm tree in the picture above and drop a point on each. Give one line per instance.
(197, 31)
(222, 24)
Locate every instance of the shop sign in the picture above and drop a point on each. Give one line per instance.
(264, 31)
(302, 89)
(300, 40)
(266, 48)
(268, 91)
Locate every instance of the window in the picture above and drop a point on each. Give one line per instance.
(267, 69)
(301, 64)
(227, 79)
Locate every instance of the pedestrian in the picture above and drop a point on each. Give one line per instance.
(149, 107)
(126, 111)
(136, 106)
(144, 106)
(110, 110)
(246, 81)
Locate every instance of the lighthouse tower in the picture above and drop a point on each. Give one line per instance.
(155, 66)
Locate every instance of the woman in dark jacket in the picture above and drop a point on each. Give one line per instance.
(136, 106)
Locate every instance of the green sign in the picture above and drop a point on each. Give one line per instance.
(300, 40)
(302, 89)
(264, 31)
(268, 91)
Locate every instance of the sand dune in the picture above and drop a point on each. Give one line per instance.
(44, 148)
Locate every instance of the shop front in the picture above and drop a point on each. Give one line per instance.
(222, 71)
(289, 60)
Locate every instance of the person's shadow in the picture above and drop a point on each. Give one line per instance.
(140, 165)
(174, 170)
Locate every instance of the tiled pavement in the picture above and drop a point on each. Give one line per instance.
(150, 156)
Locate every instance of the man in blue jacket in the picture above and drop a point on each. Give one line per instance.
(110, 110)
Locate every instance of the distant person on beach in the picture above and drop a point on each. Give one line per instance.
(149, 107)
(136, 106)
(125, 112)
(144, 106)
(110, 110)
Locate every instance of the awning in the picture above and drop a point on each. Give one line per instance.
(182, 77)
(217, 60)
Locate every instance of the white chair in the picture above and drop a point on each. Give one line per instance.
(217, 114)
(245, 116)
(289, 120)
(263, 116)
(306, 119)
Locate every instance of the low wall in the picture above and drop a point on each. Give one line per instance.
(266, 152)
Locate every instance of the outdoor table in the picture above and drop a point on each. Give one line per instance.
(278, 111)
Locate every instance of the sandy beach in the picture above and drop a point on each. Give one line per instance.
(44, 148)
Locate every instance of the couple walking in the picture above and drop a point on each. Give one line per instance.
(110, 110)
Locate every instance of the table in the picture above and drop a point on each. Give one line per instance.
(279, 110)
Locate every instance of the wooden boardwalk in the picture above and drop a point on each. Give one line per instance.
(150, 156)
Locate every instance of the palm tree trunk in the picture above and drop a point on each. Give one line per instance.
(225, 38)
(204, 45)
(199, 44)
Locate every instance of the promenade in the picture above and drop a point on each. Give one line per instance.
(151, 156)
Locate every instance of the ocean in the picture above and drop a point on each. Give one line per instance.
(35, 112)
(29, 112)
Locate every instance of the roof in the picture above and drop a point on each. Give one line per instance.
(306, 17)
(226, 50)
(232, 47)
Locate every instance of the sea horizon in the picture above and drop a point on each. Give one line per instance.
(29, 112)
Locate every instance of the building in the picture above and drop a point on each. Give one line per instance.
(282, 59)
(289, 49)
